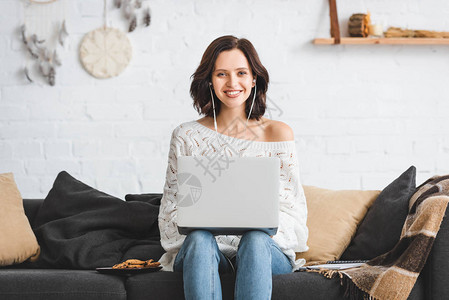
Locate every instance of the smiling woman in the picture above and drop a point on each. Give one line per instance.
(229, 88)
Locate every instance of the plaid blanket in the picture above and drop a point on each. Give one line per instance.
(393, 274)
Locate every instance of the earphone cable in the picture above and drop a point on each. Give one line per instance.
(213, 107)
(251, 109)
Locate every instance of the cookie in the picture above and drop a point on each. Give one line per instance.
(136, 264)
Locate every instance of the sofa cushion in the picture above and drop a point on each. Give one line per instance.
(437, 264)
(141, 251)
(381, 228)
(332, 220)
(169, 286)
(297, 285)
(305, 285)
(80, 227)
(17, 240)
(152, 198)
(31, 207)
(24, 284)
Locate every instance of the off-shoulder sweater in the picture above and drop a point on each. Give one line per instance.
(195, 139)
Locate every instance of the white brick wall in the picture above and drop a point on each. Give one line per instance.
(361, 114)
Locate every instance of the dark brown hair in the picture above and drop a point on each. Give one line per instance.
(199, 89)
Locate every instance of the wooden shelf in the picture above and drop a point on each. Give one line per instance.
(383, 41)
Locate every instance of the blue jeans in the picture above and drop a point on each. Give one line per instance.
(258, 258)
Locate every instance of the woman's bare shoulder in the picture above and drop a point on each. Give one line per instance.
(277, 131)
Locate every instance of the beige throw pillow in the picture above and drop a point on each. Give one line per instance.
(17, 240)
(333, 217)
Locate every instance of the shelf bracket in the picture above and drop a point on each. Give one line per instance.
(335, 28)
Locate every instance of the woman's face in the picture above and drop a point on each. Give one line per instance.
(232, 78)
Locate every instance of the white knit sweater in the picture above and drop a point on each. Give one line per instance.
(194, 139)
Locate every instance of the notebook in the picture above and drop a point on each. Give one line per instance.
(226, 195)
(338, 265)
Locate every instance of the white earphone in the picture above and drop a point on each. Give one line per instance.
(213, 106)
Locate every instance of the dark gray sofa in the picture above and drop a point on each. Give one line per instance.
(20, 282)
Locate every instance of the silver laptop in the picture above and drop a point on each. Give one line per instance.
(227, 195)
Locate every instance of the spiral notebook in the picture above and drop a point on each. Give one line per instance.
(338, 265)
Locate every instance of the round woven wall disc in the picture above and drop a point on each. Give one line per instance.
(105, 52)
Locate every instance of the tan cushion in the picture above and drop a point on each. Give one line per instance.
(17, 240)
(333, 217)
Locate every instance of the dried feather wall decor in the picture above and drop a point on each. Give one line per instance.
(43, 34)
(135, 12)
